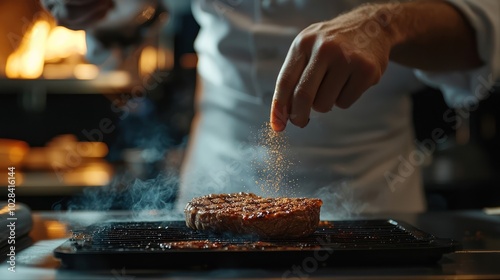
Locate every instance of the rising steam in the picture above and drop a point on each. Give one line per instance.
(153, 195)
(339, 201)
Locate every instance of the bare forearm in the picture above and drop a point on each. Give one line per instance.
(434, 36)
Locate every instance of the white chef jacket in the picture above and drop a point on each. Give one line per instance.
(343, 157)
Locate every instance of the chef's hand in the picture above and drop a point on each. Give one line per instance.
(333, 62)
(330, 64)
(78, 14)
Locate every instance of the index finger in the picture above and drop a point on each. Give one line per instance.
(288, 78)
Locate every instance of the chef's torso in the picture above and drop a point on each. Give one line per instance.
(344, 156)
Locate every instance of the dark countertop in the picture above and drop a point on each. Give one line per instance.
(479, 258)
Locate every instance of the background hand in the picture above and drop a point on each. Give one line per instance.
(78, 14)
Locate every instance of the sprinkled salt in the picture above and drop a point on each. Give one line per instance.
(274, 167)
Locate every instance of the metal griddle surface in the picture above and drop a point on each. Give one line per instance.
(173, 245)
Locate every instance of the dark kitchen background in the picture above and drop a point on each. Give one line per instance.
(75, 128)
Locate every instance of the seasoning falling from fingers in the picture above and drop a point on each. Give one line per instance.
(274, 167)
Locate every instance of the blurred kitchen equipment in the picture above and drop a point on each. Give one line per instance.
(492, 210)
(23, 224)
(129, 45)
(12, 152)
(64, 161)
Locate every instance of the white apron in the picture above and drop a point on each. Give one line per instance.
(341, 156)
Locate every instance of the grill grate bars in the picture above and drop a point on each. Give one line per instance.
(153, 235)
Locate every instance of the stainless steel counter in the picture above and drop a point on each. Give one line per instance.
(479, 259)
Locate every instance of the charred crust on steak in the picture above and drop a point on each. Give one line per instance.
(247, 213)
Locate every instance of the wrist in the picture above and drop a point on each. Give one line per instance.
(382, 22)
(389, 18)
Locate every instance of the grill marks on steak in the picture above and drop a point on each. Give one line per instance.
(247, 213)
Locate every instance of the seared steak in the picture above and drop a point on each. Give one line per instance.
(247, 213)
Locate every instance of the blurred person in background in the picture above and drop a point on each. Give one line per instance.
(340, 71)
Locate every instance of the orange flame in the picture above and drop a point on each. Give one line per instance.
(42, 44)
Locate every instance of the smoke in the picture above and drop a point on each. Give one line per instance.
(147, 183)
(339, 201)
(154, 193)
(154, 196)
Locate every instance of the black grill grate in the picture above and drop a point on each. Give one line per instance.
(369, 238)
(154, 236)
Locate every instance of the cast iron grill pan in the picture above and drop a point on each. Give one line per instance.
(173, 245)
